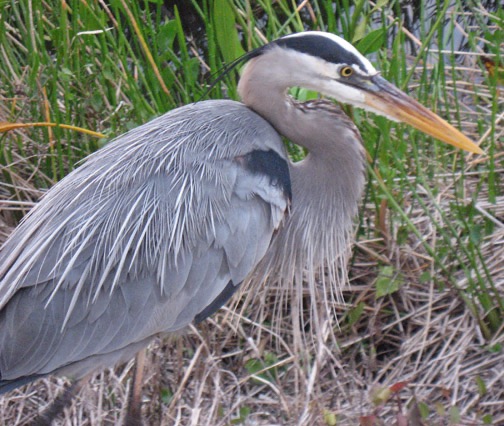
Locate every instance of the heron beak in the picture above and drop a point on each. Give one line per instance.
(386, 99)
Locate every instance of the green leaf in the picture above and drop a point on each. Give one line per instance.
(379, 5)
(244, 413)
(193, 69)
(475, 234)
(330, 418)
(372, 42)
(425, 277)
(488, 419)
(303, 95)
(482, 389)
(497, 348)
(380, 395)
(225, 31)
(424, 410)
(454, 415)
(440, 409)
(166, 395)
(355, 313)
(388, 282)
(254, 365)
(166, 36)
(360, 30)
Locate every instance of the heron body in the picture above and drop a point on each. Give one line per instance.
(157, 229)
(115, 260)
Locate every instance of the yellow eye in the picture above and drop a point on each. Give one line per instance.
(346, 71)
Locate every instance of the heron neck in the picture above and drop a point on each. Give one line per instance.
(327, 184)
(263, 88)
(332, 140)
(262, 93)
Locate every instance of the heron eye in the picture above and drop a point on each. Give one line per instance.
(346, 71)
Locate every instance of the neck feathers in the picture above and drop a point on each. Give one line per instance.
(312, 248)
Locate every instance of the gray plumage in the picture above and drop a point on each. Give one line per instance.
(138, 239)
(157, 228)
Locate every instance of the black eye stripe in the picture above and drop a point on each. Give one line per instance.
(322, 47)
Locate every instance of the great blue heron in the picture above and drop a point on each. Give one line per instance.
(157, 229)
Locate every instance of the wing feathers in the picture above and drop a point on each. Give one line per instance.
(153, 231)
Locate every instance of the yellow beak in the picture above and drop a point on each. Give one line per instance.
(386, 99)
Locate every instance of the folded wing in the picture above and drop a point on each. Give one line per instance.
(152, 232)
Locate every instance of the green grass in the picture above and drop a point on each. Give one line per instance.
(111, 68)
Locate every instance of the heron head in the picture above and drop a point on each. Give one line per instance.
(330, 65)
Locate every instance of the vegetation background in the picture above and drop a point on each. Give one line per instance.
(419, 335)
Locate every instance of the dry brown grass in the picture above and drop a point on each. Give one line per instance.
(421, 335)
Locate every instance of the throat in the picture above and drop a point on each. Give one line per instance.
(315, 241)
